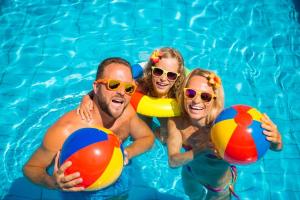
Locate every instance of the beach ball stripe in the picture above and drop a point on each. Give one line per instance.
(91, 136)
(138, 69)
(229, 113)
(220, 137)
(241, 108)
(238, 136)
(256, 115)
(261, 143)
(96, 154)
(111, 168)
(238, 139)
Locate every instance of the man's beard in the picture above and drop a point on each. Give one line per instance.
(104, 107)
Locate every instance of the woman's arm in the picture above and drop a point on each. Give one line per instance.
(86, 105)
(174, 142)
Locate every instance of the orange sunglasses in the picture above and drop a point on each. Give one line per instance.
(114, 85)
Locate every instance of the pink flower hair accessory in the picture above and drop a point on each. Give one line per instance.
(156, 56)
(214, 80)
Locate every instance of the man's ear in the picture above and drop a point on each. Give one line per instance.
(95, 87)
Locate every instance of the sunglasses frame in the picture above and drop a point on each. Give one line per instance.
(107, 81)
(213, 96)
(164, 72)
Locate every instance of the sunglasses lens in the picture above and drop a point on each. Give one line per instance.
(129, 88)
(206, 97)
(113, 84)
(189, 93)
(171, 76)
(157, 71)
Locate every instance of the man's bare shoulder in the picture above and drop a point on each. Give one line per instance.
(129, 112)
(70, 117)
(70, 121)
(61, 129)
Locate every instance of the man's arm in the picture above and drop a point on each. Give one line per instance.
(142, 136)
(36, 167)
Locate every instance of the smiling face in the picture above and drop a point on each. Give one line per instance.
(113, 102)
(161, 84)
(196, 108)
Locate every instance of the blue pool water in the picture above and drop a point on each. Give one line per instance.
(50, 51)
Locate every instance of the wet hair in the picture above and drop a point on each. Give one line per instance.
(218, 102)
(145, 83)
(109, 61)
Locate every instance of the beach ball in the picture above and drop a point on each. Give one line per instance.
(96, 154)
(238, 136)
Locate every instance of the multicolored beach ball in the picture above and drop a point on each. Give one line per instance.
(96, 154)
(238, 136)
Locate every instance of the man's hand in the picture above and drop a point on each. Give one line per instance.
(69, 182)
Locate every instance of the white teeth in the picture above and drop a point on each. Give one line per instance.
(196, 107)
(161, 84)
(118, 101)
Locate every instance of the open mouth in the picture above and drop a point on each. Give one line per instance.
(117, 100)
(161, 84)
(196, 107)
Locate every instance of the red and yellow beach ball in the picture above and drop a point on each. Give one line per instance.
(238, 136)
(96, 154)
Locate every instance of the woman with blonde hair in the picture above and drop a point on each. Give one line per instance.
(204, 174)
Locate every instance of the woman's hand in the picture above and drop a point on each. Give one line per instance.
(271, 132)
(85, 108)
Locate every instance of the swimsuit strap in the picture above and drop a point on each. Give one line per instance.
(186, 147)
(229, 186)
(233, 171)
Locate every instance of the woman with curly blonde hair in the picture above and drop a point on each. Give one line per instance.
(163, 75)
(153, 83)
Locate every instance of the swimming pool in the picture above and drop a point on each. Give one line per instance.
(50, 51)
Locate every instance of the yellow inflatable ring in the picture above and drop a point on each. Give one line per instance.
(151, 106)
(154, 107)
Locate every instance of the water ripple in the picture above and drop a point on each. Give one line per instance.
(50, 53)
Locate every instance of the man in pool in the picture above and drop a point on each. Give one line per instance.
(113, 88)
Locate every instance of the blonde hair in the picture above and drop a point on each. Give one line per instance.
(218, 102)
(145, 83)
